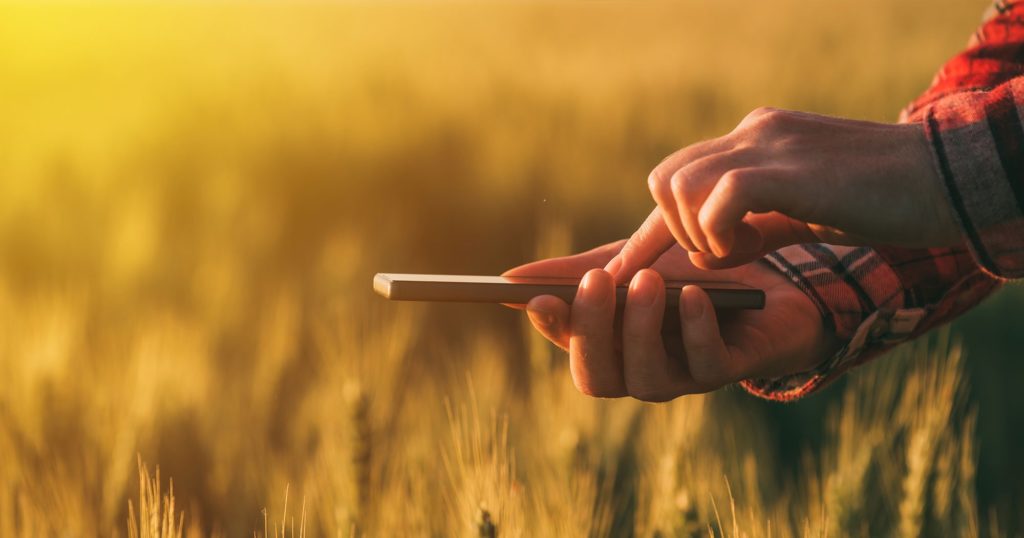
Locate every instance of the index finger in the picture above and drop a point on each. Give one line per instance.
(569, 266)
(643, 248)
(566, 266)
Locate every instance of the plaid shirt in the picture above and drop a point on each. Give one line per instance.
(875, 298)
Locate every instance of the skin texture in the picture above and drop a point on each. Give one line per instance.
(633, 356)
(782, 178)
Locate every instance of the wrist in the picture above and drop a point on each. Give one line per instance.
(942, 228)
(820, 341)
(812, 340)
(847, 286)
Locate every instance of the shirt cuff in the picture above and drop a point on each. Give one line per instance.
(882, 328)
(977, 141)
(860, 299)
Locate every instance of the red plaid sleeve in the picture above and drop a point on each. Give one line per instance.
(875, 298)
(972, 117)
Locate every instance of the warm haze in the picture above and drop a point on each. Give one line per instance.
(194, 198)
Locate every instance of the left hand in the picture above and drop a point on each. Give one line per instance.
(711, 349)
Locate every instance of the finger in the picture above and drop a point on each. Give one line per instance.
(684, 156)
(566, 266)
(659, 182)
(739, 192)
(692, 183)
(758, 234)
(662, 192)
(687, 205)
(642, 249)
(749, 245)
(711, 363)
(779, 230)
(595, 365)
(569, 266)
(549, 315)
(649, 374)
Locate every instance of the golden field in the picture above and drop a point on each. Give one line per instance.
(194, 198)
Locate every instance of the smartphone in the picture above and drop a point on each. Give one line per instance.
(519, 290)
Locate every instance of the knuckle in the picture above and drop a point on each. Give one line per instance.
(766, 121)
(628, 251)
(679, 184)
(640, 236)
(769, 121)
(708, 217)
(760, 111)
(656, 180)
(733, 182)
(632, 250)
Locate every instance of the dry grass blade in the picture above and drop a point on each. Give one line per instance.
(156, 517)
(285, 528)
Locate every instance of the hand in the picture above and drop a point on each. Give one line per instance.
(783, 178)
(710, 350)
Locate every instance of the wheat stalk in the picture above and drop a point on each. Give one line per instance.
(156, 515)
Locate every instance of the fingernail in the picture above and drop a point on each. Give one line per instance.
(693, 304)
(614, 265)
(722, 247)
(640, 296)
(542, 319)
(590, 291)
(716, 249)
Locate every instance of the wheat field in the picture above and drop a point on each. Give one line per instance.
(195, 196)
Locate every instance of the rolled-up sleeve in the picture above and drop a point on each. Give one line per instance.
(876, 298)
(971, 114)
(873, 299)
(978, 143)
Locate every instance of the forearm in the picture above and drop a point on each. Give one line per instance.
(971, 116)
(978, 143)
(876, 298)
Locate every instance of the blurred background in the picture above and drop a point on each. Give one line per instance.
(194, 198)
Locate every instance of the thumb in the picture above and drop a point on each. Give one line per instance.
(762, 199)
(759, 234)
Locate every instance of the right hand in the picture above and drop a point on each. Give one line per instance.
(782, 178)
